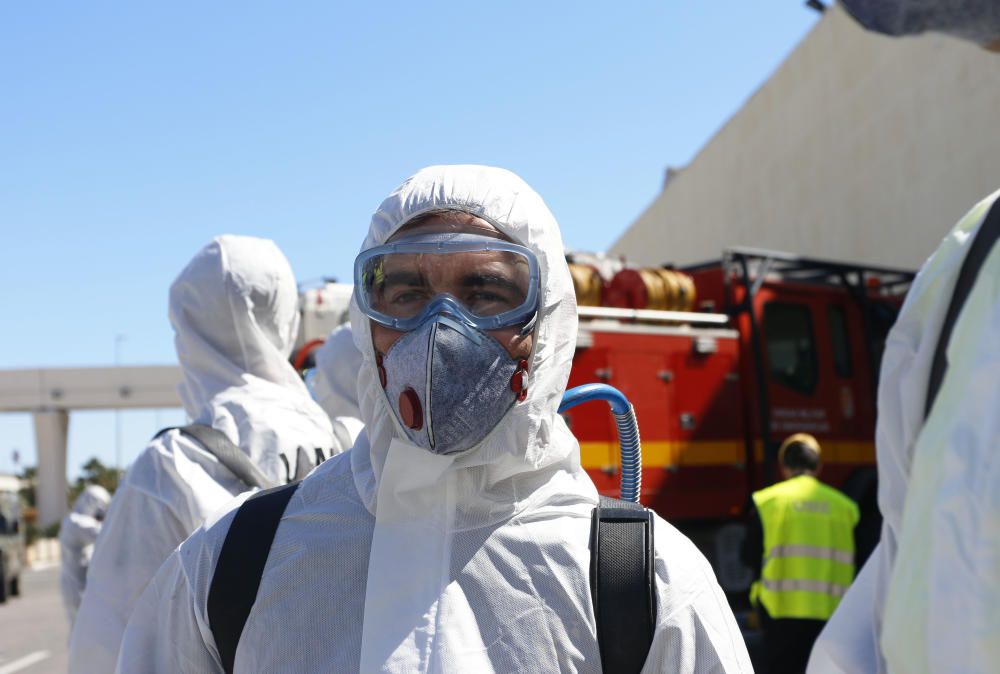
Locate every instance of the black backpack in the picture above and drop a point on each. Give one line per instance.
(622, 578)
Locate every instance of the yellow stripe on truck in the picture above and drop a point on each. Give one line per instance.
(661, 454)
(676, 453)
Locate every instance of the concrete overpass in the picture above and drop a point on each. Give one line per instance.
(50, 394)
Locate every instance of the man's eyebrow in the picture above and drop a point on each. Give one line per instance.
(480, 280)
(404, 278)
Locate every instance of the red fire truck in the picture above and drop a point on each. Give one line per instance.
(722, 361)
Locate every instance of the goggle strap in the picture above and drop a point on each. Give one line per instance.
(530, 325)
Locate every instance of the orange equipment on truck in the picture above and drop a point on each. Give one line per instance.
(722, 361)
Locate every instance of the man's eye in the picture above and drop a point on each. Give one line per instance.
(487, 295)
(406, 296)
(487, 300)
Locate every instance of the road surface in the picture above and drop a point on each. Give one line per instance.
(33, 629)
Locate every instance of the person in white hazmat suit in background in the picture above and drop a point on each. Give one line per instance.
(77, 535)
(234, 311)
(454, 536)
(334, 383)
(926, 600)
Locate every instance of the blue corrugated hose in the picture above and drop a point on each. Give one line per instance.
(628, 431)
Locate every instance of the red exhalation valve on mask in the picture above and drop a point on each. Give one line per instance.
(410, 411)
(519, 380)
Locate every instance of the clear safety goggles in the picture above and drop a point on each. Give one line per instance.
(486, 283)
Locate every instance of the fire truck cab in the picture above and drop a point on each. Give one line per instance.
(722, 361)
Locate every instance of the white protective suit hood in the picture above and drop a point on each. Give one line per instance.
(423, 501)
(335, 385)
(234, 309)
(92, 501)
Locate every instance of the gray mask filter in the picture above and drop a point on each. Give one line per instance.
(449, 384)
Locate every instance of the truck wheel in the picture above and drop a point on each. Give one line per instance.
(15, 586)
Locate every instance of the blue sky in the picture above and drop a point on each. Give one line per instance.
(132, 133)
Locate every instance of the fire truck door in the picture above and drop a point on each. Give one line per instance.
(849, 397)
(792, 369)
(644, 376)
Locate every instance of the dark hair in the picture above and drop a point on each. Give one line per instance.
(449, 215)
(800, 456)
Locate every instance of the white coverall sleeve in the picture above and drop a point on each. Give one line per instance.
(165, 496)
(168, 628)
(696, 632)
(166, 633)
(941, 608)
(76, 534)
(139, 533)
(848, 643)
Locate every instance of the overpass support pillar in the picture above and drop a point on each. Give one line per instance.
(51, 430)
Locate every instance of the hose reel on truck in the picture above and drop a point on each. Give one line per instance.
(655, 288)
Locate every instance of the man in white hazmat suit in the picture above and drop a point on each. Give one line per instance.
(234, 310)
(454, 536)
(926, 601)
(335, 383)
(77, 534)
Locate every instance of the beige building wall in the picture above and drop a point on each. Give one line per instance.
(859, 147)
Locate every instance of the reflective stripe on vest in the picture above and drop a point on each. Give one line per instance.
(808, 548)
(800, 585)
(815, 551)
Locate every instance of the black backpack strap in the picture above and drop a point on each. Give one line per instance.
(986, 237)
(303, 463)
(622, 583)
(240, 566)
(228, 454)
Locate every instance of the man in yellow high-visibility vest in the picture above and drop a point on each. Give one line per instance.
(801, 544)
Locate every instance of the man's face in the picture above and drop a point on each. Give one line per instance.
(486, 282)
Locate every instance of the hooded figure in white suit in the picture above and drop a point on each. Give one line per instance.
(77, 535)
(234, 310)
(419, 554)
(335, 383)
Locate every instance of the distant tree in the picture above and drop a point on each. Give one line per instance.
(95, 472)
(28, 478)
